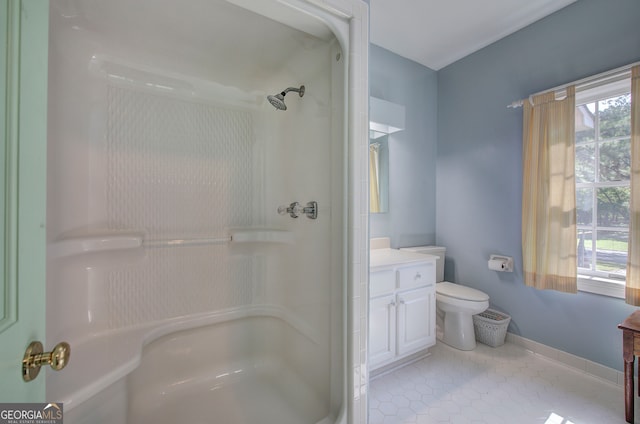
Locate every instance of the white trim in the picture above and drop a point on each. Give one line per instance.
(588, 83)
(604, 90)
(393, 366)
(603, 286)
(586, 366)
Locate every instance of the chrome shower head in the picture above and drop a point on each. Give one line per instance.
(277, 100)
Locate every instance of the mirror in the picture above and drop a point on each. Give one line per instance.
(378, 173)
(384, 118)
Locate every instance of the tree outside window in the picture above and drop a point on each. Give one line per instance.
(603, 165)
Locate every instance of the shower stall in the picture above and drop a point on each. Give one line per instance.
(206, 243)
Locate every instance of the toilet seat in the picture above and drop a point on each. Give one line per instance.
(460, 292)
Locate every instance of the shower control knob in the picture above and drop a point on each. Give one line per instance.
(311, 210)
(293, 210)
(282, 210)
(296, 209)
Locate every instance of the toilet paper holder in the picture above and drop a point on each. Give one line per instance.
(501, 263)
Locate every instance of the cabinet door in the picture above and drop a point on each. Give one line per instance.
(416, 319)
(382, 329)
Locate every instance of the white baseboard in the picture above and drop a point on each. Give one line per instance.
(389, 368)
(581, 364)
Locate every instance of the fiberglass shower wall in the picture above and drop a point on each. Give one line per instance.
(160, 134)
(304, 161)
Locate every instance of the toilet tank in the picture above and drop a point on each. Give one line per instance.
(435, 251)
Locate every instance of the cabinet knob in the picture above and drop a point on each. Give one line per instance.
(418, 276)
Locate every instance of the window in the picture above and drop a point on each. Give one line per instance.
(603, 164)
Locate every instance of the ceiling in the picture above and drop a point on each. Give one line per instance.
(436, 33)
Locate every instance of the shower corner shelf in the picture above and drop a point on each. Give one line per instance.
(261, 235)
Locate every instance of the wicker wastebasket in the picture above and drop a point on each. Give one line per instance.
(491, 327)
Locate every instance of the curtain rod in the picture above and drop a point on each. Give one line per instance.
(611, 75)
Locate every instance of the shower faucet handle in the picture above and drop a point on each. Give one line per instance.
(294, 210)
(311, 210)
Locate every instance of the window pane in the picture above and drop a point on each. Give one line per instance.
(612, 252)
(615, 160)
(613, 206)
(584, 206)
(585, 163)
(615, 116)
(585, 123)
(584, 249)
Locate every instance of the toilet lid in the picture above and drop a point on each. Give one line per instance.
(460, 292)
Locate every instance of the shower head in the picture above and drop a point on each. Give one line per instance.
(277, 100)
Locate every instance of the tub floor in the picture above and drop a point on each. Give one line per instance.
(244, 402)
(256, 397)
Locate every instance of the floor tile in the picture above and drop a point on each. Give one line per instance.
(507, 384)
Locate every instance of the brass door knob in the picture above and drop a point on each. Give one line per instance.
(34, 358)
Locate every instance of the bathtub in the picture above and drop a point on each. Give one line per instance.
(235, 367)
(232, 372)
(181, 288)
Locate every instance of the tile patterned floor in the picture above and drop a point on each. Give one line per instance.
(507, 384)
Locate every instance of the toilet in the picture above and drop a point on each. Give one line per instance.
(456, 304)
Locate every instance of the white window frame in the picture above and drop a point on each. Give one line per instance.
(613, 287)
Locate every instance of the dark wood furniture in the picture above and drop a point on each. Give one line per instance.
(630, 349)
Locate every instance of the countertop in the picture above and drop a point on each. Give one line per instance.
(379, 258)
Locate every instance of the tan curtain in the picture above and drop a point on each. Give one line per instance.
(632, 291)
(374, 193)
(549, 236)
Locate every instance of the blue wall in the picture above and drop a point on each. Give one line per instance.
(479, 157)
(412, 167)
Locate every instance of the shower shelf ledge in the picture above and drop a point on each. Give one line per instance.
(261, 235)
(96, 243)
(121, 241)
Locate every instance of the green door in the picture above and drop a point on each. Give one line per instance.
(23, 125)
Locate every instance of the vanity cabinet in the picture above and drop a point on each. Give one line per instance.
(402, 311)
(382, 329)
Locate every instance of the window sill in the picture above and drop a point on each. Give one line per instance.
(601, 286)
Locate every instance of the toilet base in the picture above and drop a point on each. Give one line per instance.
(458, 331)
